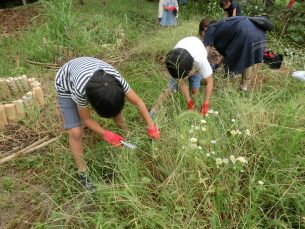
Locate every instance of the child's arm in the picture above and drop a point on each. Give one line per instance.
(185, 90)
(208, 82)
(141, 107)
(152, 129)
(234, 12)
(225, 13)
(111, 138)
(208, 89)
(84, 114)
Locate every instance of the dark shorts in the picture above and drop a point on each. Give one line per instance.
(194, 82)
(69, 110)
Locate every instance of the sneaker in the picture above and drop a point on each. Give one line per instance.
(243, 88)
(85, 181)
(152, 115)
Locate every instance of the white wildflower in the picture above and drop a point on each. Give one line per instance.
(238, 132)
(191, 131)
(218, 161)
(213, 152)
(203, 121)
(193, 146)
(215, 112)
(242, 160)
(260, 182)
(203, 129)
(197, 127)
(211, 111)
(199, 147)
(225, 161)
(193, 140)
(233, 159)
(233, 120)
(233, 132)
(208, 154)
(213, 141)
(247, 132)
(192, 126)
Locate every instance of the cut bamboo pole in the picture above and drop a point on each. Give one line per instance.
(18, 81)
(3, 118)
(25, 83)
(28, 100)
(19, 109)
(4, 90)
(29, 150)
(38, 96)
(35, 84)
(11, 113)
(12, 85)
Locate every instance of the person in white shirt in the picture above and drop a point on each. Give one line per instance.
(188, 61)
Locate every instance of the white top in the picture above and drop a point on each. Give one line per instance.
(197, 50)
(160, 9)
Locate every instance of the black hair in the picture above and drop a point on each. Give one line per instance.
(179, 63)
(222, 3)
(105, 94)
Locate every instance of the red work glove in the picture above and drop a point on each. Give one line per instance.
(153, 132)
(204, 109)
(190, 105)
(171, 8)
(113, 138)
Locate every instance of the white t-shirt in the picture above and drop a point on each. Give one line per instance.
(197, 50)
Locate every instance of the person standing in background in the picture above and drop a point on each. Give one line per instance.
(170, 12)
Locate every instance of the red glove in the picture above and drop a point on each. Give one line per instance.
(190, 105)
(153, 132)
(204, 109)
(171, 8)
(113, 138)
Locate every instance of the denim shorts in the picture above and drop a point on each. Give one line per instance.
(69, 110)
(194, 82)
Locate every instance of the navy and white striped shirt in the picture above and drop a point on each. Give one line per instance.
(72, 78)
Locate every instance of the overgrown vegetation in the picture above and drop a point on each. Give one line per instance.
(242, 167)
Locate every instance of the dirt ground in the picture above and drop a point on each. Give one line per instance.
(16, 19)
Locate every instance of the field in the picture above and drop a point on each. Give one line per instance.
(242, 166)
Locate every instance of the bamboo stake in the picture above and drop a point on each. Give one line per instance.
(12, 85)
(3, 118)
(29, 150)
(25, 83)
(4, 90)
(19, 108)
(18, 81)
(35, 84)
(28, 100)
(11, 113)
(38, 96)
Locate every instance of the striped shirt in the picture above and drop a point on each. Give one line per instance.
(72, 78)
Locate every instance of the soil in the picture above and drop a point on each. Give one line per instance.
(16, 19)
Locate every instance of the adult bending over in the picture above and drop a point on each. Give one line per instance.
(239, 41)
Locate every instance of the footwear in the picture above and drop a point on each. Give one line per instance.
(152, 115)
(85, 181)
(243, 88)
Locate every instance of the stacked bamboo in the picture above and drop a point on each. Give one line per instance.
(16, 110)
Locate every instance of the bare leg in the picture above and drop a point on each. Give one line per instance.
(76, 146)
(246, 77)
(120, 121)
